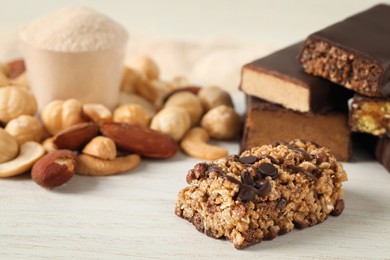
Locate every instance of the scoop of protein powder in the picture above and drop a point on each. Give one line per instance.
(77, 53)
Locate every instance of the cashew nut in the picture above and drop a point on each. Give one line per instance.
(132, 113)
(173, 121)
(222, 122)
(30, 152)
(25, 128)
(93, 166)
(194, 143)
(130, 78)
(189, 102)
(16, 101)
(9, 146)
(60, 114)
(98, 113)
(49, 145)
(101, 147)
(214, 96)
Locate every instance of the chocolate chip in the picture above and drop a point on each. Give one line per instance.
(265, 189)
(272, 159)
(267, 169)
(233, 157)
(304, 154)
(338, 208)
(279, 143)
(197, 173)
(246, 193)
(212, 168)
(250, 159)
(297, 169)
(246, 179)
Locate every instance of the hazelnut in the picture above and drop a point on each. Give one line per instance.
(25, 128)
(173, 121)
(189, 102)
(101, 147)
(60, 114)
(16, 101)
(9, 146)
(222, 122)
(4, 81)
(132, 113)
(147, 67)
(214, 96)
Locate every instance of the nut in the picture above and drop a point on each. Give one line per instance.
(76, 137)
(222, 122)
(125, 98)
(60, 114)
(30, 152)
(16, 101)
(145, 89)
(93, 166)
(101, 147)
(4, 81)
(9, 146)
(98, 113)
(189, 102)
(140, 140)
(134, 82)
(129, 79)
(194, 143)
(214, 96)
(147, 67)
(192, 89)
(54, 169)
(162, 88)
(49, 145)
(132, 113)
(173, 121)
(16, 68)
(179, 82)
(21, 80)
(25, 128)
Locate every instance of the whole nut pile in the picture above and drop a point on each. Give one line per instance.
(153, 119)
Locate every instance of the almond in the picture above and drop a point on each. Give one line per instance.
(16, 68)
(140, 140)
(76, 136)
(54, 169)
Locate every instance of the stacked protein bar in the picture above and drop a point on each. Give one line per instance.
(298, 92)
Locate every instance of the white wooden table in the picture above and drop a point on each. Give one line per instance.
(132, 215)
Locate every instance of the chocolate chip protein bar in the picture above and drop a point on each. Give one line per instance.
(354, 53)
(370, 115)
(280, 79)
(383, 152)
(263, 193)
(267, 123)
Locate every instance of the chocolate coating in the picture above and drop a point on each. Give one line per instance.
(283, 64)
(365, 35)
(383, 152)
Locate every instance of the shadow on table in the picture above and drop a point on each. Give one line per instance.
(357, 213)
